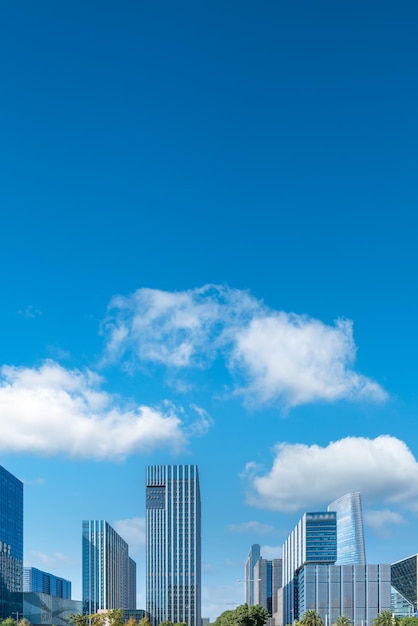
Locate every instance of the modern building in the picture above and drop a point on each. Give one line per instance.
(107, 569)
(359, 592)
(11, 545)
(267, 582)
(404, 577)
(313, 541)
(350, 535)
(42, 582)
(43, 609)
(173, 544)
(253, 556)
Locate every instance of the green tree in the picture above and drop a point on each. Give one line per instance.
(245, 615)
(408, 621)
(180, 624)
(386, 618)
(145, 621)
(342, 620)
(311, 618)
(225, 618)
(166, 623)
(24, 622)
(77, 619)
(9, 621)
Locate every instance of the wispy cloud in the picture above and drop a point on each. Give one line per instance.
(379, 520)
(132, 530)
(52, 410)
(50, 561)
(273, 356)
(271, 552)
(30, 312)
(254, 527)
(383, 469)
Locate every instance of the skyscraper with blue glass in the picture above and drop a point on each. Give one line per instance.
(173, 544)
(11, 545)
(107, 569)
(350, 536)
(313, 541)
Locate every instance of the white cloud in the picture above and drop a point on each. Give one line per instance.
(309, 476)
(380, 519)
(251, 527)
(51, 410)
(271, 552)
(41, 560)
(132, 530)
(30, 311)
(275, 356)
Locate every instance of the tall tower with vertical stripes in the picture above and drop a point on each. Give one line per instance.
(173, 544)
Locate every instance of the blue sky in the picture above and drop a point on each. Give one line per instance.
(208, 255)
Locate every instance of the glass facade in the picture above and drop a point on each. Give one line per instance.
(359, 592)
(42, 608)
(404, 578)
(313, 540)
(252, 559)
(107, 569)
(11, 545)
(36, 580)
(350, 535)
(173, 544)
(267, 576)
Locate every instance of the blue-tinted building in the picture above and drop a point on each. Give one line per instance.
(350, 535)
(359, 592)
(313, 540)
(11, 545)
(173, 544)
(42, 582)
(46, 610)
(107, 569)
(404, 576)
(252, 559)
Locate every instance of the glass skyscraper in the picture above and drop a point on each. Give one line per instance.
(350, 536)
(107, 569)
(11, 545)
(313, 540)
(173, 544)
(252, 559)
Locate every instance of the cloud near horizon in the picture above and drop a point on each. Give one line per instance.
(51, 410)
(382, 469)
(273, 356)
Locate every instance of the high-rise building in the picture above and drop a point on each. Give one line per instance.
(107, 569)
(350, 536)
(11, 545)
(267, 582)
(252, 559)
(313, 540)
(41, 582)
(173, 544)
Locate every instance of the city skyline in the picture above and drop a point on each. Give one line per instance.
(208, 257)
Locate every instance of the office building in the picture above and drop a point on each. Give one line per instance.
(107, 569)
(252, 559)
(173, 544)
(350, 535)
(359, 592)
(42, 582)
(267, 582)
(404, 579)
(11, 545)
(313, 540)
